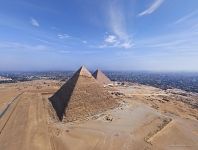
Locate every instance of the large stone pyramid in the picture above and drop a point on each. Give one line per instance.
(101, 77)
(81, 96)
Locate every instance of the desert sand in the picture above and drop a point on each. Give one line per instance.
(146, 118)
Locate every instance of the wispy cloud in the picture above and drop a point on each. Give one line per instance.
(26, 47)
(22, 46)
(186, 17)
(84, 42)
(175, 44)
(71, 38)
(111, 39)
(119, 37)
(114, 42)
(42, 40)
(170, 51)
(34, 22)
(63, 36)
(153, 7)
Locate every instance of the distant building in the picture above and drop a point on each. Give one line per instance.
(5, 79)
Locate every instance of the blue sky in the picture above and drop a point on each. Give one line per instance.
(156, 35)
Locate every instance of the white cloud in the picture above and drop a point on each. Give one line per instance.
(85, 42)
(114, 41)
(126, 44)
(111, 39)
(119, 37)
(34, 22)
(63, 36)
(153, 7)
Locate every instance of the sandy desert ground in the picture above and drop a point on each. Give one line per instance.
(147, 118)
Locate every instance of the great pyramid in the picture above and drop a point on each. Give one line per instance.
(101, 77)
(81, 96)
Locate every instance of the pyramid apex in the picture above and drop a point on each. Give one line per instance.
(83, 67)
(83, 71)
(101, 77)
(98, 71)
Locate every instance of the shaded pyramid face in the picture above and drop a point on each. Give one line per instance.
(81, 96)
(101, 77)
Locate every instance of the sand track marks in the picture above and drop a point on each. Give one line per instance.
(11, 106)
(26, 127)
(159, 129)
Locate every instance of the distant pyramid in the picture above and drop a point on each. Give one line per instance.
(81, 96)
(101, 77)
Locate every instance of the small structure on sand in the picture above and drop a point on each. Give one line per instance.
(81, 96)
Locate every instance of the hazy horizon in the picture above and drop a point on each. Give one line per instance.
(131, 35)
(105, 70)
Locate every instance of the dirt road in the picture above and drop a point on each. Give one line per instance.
(26, 126)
